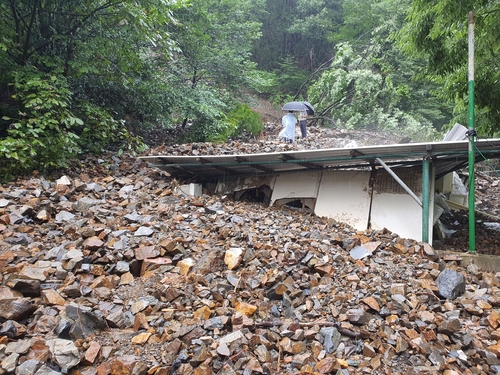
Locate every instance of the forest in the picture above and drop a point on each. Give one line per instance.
(81, 76)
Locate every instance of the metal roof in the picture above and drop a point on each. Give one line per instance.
(446, 156)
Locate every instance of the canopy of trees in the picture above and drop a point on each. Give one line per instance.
(438, 32)
(82, 75)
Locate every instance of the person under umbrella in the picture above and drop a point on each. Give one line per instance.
(288, 133)
(303, 123)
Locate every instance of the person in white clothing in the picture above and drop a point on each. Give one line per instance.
(288, 133)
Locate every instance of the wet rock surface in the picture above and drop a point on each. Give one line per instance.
(107, 269)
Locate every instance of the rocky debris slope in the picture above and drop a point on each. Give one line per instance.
(267, 141)
(455, 222)
(106, 269)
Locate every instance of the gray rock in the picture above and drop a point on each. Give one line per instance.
(10, 362)
(64, 216)
(84, 321)
(451, 284)
(19, 239)
(133, 217)
(330, 338)
(85, 204)
(143, 231)
(359, 252)
(46, 370)
(28, 367)
(64, 353)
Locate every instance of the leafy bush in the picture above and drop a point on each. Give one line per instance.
(41, 136)
(244, 120)
(43, 132)
(240, 120)
(100, 130)
(206, 129)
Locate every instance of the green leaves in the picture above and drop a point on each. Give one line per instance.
(439, 33)
(37, 139)
(47, 134)
(371, 85)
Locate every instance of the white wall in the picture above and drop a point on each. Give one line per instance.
(396, 210)
(345, 196)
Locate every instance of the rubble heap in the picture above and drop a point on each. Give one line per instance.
(106, 269)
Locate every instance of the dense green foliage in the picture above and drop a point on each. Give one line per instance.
(42, 133)
(370, 84)
(244, 120)
(66, 66)
(83, 75)
(438, 31)
(213, 63)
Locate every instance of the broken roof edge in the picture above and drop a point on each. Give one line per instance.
(450, 154)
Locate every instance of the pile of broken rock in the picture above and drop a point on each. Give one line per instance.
(108, 270)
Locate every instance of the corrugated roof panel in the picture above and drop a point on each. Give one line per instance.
(446, 156)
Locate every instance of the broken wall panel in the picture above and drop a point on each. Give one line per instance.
(345, 196)
(394, 209)
(292, 186)
(397, 212)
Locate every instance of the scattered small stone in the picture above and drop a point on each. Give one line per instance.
(107, 269)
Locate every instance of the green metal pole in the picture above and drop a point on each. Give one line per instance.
(425, 199)
(472, 134)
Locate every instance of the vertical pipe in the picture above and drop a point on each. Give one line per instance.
(425, 199)
(472, 134)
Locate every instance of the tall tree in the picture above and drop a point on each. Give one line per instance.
(370, 82)
(300, 29)
(62, 61)
(44, 33)
(437, 30)
(214, 40)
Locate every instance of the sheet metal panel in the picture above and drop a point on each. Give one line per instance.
(447, 156)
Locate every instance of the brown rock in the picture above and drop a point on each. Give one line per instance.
(140, 322)
(52, 297)
(146, 252)
(149, 266)
(493, 319)
(92, 353)
(141, 338)
(185, 266)
(327, 365)
(233, 257)
(245, 308)
(93, 243)
(203, 313)
(372, 303)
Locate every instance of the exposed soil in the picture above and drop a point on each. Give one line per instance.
(487, 229)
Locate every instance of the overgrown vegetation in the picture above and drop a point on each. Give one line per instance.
(42, 134)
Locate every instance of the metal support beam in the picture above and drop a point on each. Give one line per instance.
(471, 134)
(426, 187)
